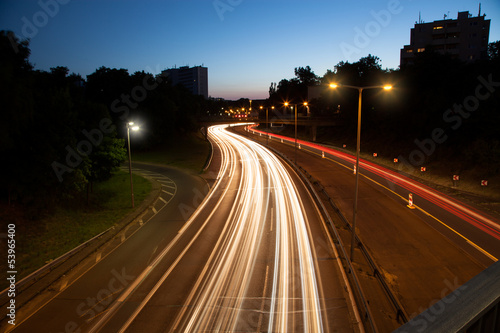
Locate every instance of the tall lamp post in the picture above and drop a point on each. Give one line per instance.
(294, 106)
(358, 145)
(130, 126)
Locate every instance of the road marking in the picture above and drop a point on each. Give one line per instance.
(263, 301)
(477, 247)
(483, 251)
(272, 214)
(165, 201)
(98, 256)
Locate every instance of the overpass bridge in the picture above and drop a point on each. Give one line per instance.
(310, 123)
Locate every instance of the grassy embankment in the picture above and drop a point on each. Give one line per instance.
(38, 242)
(189, 152)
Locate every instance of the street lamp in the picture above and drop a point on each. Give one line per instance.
(267, 123)
(130, 126)
(358, 144)
(294, 107)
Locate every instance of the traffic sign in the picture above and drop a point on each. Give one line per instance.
(456, 177)
(484, 183)
(396, 160)
(375, 155)
(423, 169)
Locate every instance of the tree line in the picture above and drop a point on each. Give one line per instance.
(60, 133)
(440, 109)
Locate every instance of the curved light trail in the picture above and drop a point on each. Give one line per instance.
(266, 196)
(459, 209)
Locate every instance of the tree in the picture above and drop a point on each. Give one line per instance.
(306, 76)
(494, 51)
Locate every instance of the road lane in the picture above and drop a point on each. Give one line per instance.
(254, 265)
(420, 264)
(475, 231)
(255, 256)
(80, 303)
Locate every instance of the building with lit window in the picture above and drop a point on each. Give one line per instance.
(195, 79)
(465, 38)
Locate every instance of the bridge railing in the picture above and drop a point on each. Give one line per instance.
(473, 308)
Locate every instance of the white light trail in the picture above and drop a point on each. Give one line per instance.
(218, 300)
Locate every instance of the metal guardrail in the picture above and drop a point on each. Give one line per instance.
(41, 273)
(400, 312)
(473, 307)
(33, 277)
(368, 320)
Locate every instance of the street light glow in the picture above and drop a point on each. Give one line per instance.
(131, 123)
(387, 87)
(333, 85)
(134, 128)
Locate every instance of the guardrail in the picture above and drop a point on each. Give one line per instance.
(400, 312)
(33, 277)
(63, 264)
(367, 317)
(473, 307)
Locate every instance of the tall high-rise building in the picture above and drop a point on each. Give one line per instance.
(465, 38)
(195, 79)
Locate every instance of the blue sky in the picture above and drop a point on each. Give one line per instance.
(246, 44)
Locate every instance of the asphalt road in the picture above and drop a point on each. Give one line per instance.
(425, 252)
(255, 257)
(77, 307)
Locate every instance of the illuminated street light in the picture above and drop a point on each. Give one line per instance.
(358, 144)
(130, 126)
(295, 146)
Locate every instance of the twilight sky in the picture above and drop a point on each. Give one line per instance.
(246, 44)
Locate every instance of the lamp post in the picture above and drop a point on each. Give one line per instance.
(130, 125)
(306, 104)
(295, 149)
(294, 106)
(358, 145)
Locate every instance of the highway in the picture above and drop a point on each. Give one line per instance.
(480, 231)
(425, 252)
(255, 256)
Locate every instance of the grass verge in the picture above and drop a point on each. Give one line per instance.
(189, 152)
(38, 242)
